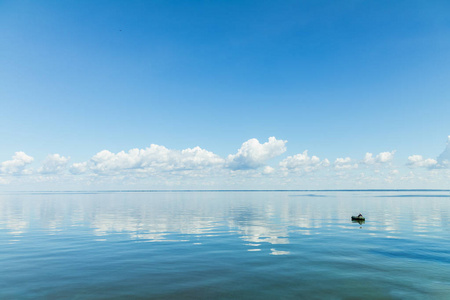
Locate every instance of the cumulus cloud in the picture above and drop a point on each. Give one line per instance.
(344, 164)
(53, 163)
(268, 170)
(17, 164)
(303, 162)
(385, 157)
(253, 154)
(415, 161)
(369, 159)
(153, 158)
(381, 158)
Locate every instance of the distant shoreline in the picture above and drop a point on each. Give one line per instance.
(221, 191)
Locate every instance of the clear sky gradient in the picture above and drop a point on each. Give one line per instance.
(336, 78)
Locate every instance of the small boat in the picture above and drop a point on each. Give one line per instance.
(358, 218)
(360, 222)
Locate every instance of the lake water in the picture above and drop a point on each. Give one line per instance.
(225, 245)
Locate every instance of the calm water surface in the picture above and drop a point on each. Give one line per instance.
(225, 245)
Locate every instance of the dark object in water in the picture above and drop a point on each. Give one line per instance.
(360, 222)
(358, 218)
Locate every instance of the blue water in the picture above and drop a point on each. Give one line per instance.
(225, 245)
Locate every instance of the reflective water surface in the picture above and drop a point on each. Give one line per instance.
(225, 245)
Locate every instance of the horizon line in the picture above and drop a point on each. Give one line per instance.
(225, 190)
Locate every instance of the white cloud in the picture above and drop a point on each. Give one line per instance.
(303, 162)
(152, 159)
(17, 164)
(344, 164)
(342, 161)
(419, 161)
(159, 167)
(53, 163)
(369, 159)
(253, 154)
(381, 158)
(268, 170)
(385, 157)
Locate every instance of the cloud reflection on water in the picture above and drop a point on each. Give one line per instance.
(257, 219)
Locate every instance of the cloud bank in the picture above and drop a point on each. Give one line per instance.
(152, 159)
(253, 163)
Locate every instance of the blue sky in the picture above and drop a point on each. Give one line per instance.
(337, 78)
